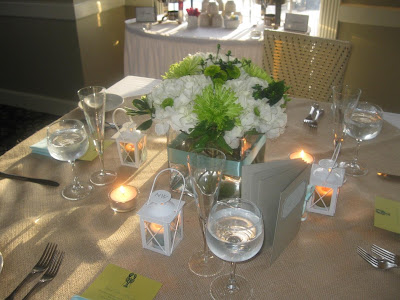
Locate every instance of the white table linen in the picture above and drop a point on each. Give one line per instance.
(149, 53)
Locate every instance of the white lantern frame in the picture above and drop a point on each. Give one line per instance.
(127, 136)
(327, 182)
(164, 213)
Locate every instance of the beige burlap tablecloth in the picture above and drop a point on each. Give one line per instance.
(320, 263)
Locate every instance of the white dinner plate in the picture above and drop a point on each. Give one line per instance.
(112, 102)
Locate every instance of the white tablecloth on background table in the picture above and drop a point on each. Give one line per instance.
(149, 53)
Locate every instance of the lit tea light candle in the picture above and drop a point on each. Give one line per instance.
(158, 232)
(308, 158)
(123, 199)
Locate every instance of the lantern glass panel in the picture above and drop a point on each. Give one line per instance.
(128, 152)
(176, 226)
(323, 196)
(154, 234)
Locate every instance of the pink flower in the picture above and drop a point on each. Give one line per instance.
(193, 12)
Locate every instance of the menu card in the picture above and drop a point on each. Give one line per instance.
(116, 283)
(279, 189)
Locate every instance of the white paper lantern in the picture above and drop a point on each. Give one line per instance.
(161, 220)
(326, 184)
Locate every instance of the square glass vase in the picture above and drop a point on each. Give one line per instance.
(251, 150)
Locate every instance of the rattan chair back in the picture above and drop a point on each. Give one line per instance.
(309, 65)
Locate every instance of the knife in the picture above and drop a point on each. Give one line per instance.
(388, 176)
(35, 180)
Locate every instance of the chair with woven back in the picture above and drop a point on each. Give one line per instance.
(309, 65)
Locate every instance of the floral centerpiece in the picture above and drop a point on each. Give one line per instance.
(216, 100)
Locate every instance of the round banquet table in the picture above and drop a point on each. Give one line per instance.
(149, 53)
(320, 263)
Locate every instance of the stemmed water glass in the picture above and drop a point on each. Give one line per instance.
(362, 122)
(343, 97)
(205, 170)
(235, 233)
(93, 100)
(67, 141)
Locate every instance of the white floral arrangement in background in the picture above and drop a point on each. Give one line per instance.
(216, 99)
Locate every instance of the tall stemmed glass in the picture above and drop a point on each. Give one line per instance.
(93, 100)
(235, 233)
(205, 170)
(362, 122)
(343, 97)
(67, 141)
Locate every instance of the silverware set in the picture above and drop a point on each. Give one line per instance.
(386, 259)
(313, 116)
(49, 263)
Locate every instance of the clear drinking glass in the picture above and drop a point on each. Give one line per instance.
(343, 97)
(362, 122)
(93, 100)
(235, 233)
(205, 170)
(67, 141)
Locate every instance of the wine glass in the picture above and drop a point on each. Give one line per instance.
(343, 97)
(235, 233)
(362, 122)
(66, 141)
(205, 170)
(93, 100)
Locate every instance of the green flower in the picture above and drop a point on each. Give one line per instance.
(217, 106)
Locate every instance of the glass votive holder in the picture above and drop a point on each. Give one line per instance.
(123, 198)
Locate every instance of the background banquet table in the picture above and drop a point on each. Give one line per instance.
(321, 262)
(149, 53)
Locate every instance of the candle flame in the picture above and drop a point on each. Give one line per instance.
(122, 189)
(302, 155)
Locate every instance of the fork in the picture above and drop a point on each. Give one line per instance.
(314, 123)
(50, 273)
(309, 118)
(40, 267)
(375, 262)
(385, 254)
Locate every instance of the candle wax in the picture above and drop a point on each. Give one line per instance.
(123, 194)
(325, 193)
(308, 158)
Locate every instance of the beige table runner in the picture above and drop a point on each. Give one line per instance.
(320, 263)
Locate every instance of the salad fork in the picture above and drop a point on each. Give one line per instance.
(40, 267)
(50, 273)
(385, 254)
(375, 262)
(313, 108)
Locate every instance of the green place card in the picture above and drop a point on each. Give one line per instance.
(116, 283)
(387, 214)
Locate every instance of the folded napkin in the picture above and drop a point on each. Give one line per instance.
(91, 153)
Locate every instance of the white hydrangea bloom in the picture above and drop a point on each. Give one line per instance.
(256, 114)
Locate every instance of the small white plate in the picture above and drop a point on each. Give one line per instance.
(112, 102)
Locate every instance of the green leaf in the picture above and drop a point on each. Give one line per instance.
(145, 125)
(256, 111)
(167, 102)
(223, 145)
